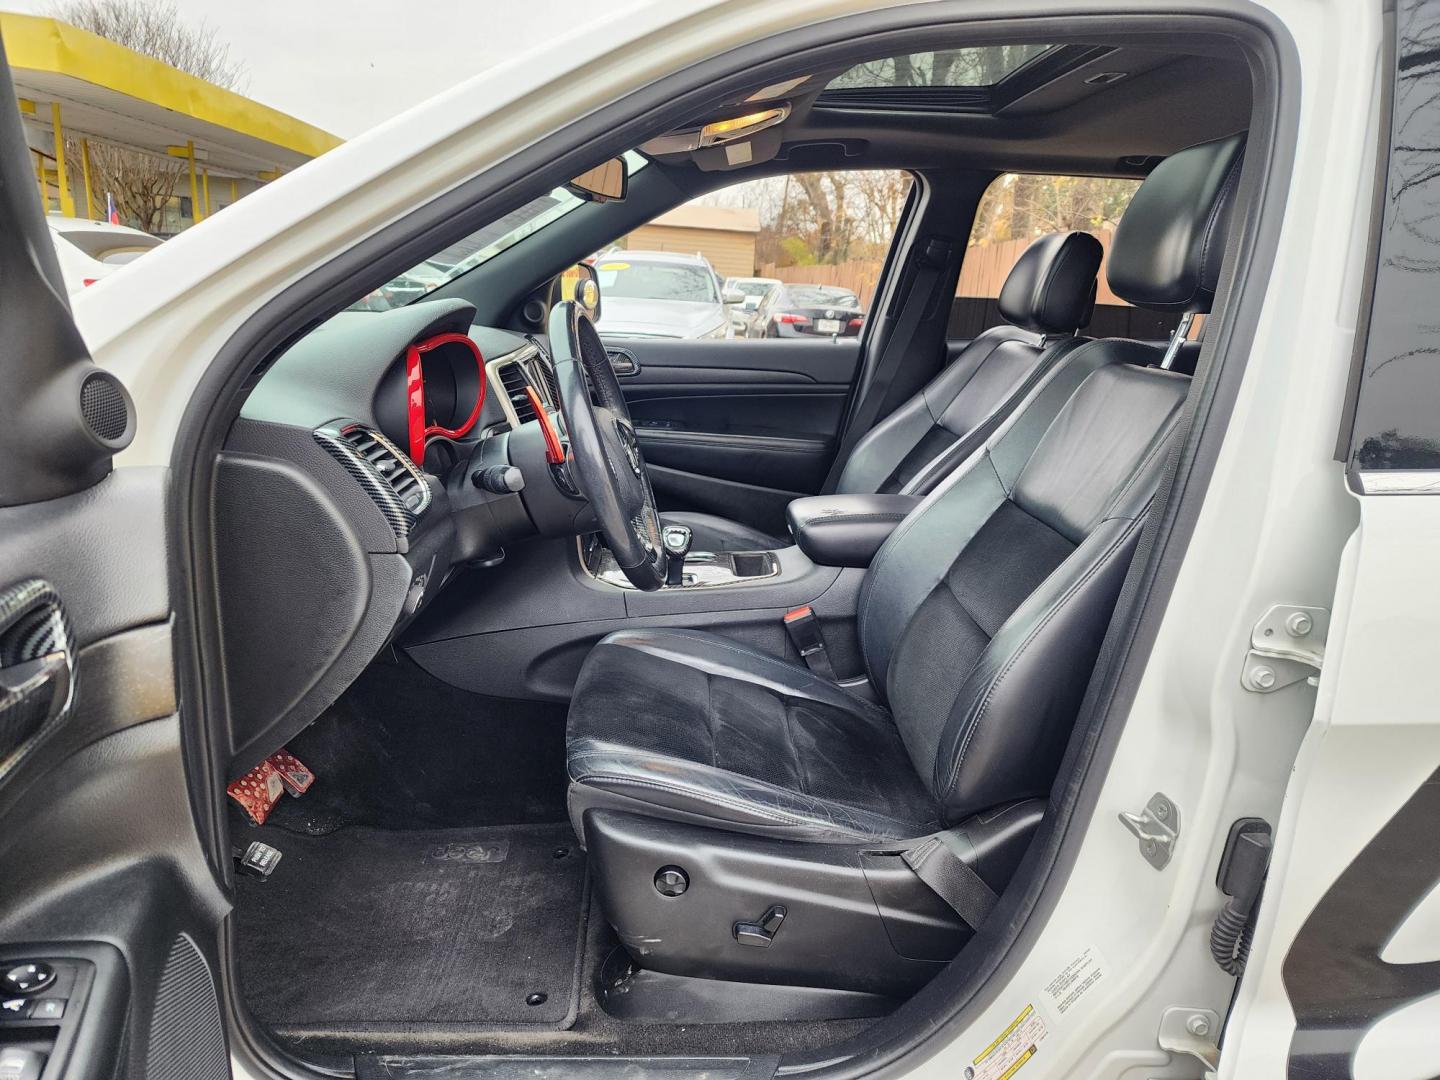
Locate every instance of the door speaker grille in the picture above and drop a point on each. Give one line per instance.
(187, 1040)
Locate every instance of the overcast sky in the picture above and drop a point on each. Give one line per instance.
(345, 65)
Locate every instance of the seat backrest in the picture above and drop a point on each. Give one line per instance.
(1048, 295)
(982, 616)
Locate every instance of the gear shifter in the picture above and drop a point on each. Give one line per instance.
(676, 539)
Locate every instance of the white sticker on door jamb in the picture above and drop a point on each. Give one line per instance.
(1075, 980)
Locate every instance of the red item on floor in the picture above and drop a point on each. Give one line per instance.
(293, 773)
(258, 791)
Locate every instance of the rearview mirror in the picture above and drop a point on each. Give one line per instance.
(604, 183)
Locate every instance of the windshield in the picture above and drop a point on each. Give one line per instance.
(823, 295)
(656, 281)
(753, 288)
(480, 246)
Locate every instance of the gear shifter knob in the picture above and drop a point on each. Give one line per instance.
(676, 539)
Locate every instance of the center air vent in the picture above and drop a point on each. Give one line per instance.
(393, 483)
(512, 378)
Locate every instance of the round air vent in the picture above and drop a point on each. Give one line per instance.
(106, 408)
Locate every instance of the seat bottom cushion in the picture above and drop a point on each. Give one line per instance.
(693, 727)
(711, 533)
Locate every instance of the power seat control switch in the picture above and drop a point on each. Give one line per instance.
(761, 933)
(28, 978)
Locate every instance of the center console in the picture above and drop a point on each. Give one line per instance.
(698, 569)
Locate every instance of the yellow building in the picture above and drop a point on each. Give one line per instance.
(723, 234)
(73, 84)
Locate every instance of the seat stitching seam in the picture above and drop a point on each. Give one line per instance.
(853, 812)
(1015, 658)
(864, 707)
(1161, 442)
(774, 815)
(863, 616)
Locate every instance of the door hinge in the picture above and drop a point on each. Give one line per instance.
(1156, 827)
(1286, 645)
(1184, 1030)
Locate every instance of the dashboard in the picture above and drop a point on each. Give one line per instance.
(370, 461)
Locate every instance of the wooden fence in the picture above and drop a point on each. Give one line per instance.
(981, 275)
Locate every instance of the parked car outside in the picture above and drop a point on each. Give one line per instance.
(808, 311)
(89, 250)
(659, 294)
(754, 291)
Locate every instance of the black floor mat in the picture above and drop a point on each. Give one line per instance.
(368, 930)
(402, 750)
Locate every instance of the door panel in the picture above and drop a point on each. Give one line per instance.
(109, 909)
(737, 427)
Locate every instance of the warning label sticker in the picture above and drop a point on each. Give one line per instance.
(1074, 980)
(1011, 1049)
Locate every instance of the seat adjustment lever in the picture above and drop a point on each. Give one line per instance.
(761, 932)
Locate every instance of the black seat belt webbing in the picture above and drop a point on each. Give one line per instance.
(952, 879)
(930, 262)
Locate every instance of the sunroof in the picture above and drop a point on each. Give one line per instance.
(983, 66)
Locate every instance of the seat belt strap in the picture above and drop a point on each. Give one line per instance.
(804, 630)
(930, 261)
(952, 879)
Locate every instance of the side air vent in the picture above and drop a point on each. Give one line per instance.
(547, 371)
(512, 378)
(391, 480)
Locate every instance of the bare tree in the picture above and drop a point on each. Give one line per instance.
(143, 183)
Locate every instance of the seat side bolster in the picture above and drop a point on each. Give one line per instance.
(879, 453)
(1009, 726)
(715, 655)
(607, 775)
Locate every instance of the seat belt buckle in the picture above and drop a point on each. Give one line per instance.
(804, 630)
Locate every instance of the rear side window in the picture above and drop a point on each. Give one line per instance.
(1018, 208)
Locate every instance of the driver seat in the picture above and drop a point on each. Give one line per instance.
(1048, 295)
(980, 621)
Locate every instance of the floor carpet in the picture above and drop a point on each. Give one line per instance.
(379, 931)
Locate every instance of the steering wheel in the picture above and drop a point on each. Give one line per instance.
(607, 465)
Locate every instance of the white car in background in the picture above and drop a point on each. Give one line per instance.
(89, 250)
(657, 294)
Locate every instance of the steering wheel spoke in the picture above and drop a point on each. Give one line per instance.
(609, 468)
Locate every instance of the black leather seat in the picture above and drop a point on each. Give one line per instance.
(1048, 295)
(979, 621)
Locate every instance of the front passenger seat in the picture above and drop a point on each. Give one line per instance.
(1048, 295)
(769, 789)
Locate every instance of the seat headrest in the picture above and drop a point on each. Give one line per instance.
(1051, 288)
(1170, 242)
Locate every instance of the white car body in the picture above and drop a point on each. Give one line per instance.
(90, 250)
(1275, 521)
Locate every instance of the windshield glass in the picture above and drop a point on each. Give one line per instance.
(480, 246)
(656, 281)
(823, 294)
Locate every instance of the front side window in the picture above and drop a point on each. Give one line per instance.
(656, 281)
(795, 256)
